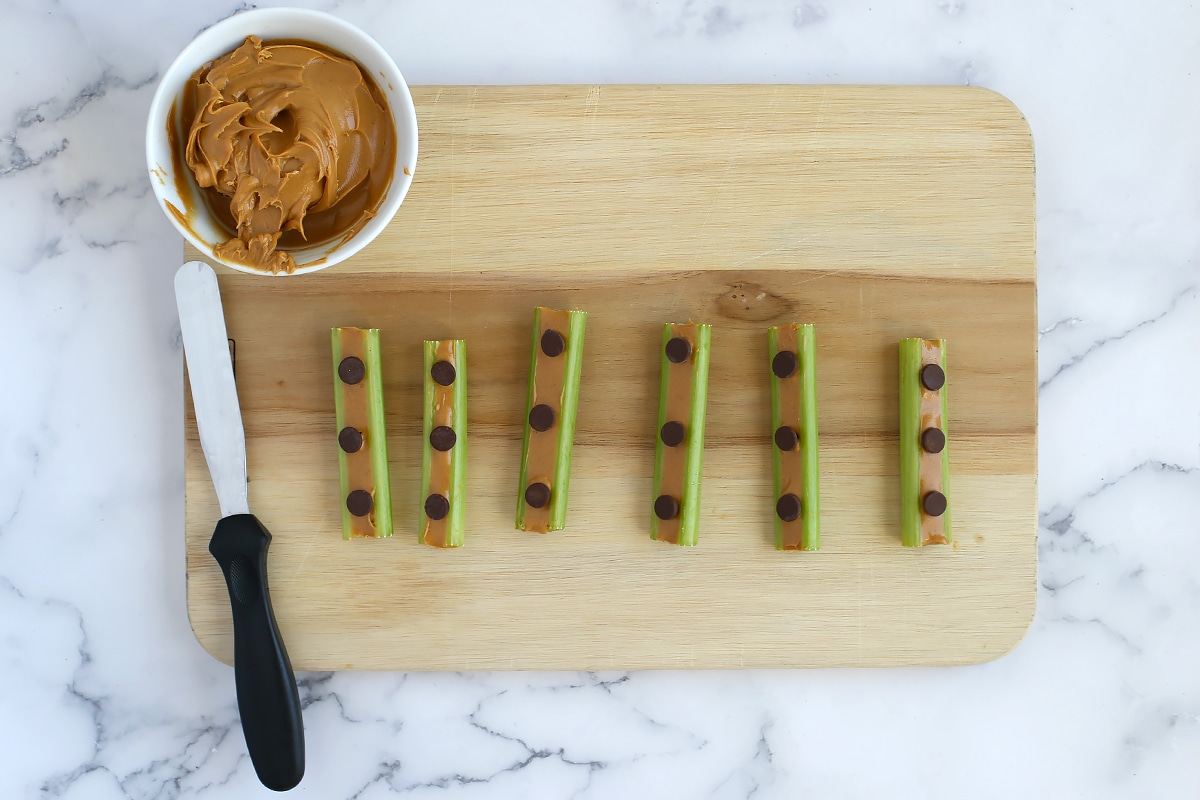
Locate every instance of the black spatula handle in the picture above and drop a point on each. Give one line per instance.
(266, 687)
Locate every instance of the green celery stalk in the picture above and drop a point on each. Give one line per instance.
(810, 494)
(910, 447)
(689, 506)
(455, 520)
(573, 368)
(375, 435)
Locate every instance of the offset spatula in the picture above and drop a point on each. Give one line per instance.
(266, 688)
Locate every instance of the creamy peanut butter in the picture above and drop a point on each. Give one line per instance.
(549, 377)
(791, 463)
(359, 467)
(680, 378)
(291, 145)
(435, 532)
(933, 529)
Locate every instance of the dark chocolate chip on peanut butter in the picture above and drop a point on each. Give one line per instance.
(786, 438)
(359, 502)
(352, 370)
(933, 440)
(784, 364)
(437, 506)
(933, 377)
(537, 495)
(672, 434)
(442, 438)
(788, 508)
(541, 417)
(678, 350)
(443, 373)
(553, 343)
(350, 439)
(666, 507)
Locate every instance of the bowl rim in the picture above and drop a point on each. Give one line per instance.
(395, 88)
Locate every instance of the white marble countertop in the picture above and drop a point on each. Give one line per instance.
(106, 694)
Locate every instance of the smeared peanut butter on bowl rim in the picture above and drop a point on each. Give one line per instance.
(288, 144)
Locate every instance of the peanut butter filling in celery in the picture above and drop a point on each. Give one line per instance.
(361, 433)
(444, 450)
(924, 456)
(679, 445)
(552, 398)
(792, 366)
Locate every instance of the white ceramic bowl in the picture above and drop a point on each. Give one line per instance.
(199, 227)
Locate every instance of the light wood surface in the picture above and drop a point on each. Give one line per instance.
(874, 213)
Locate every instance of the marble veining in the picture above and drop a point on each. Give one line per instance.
(105, 693)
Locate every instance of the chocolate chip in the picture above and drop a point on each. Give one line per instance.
(934, 503)
(442, 438)
(351, 439)
(666, 507)
(786, 438)
(678, 350)
(553, 343)
(359, 502)
(443, 373)
(352, 370)
(784, 364)
(537, 495)
(672, 434)
(541, 417)
(933, 440)
(437, 506)
(788, 507)
(932, 377)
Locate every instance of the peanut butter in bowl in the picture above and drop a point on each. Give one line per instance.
(290, 143)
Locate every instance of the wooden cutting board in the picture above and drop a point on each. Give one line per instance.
(875, 213)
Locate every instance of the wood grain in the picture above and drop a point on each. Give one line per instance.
(874, 213)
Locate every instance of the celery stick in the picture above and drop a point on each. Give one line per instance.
(918, 498)
(794, 423)
(677, 472)
(362, 435)
(449, 465)
(570, 361)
